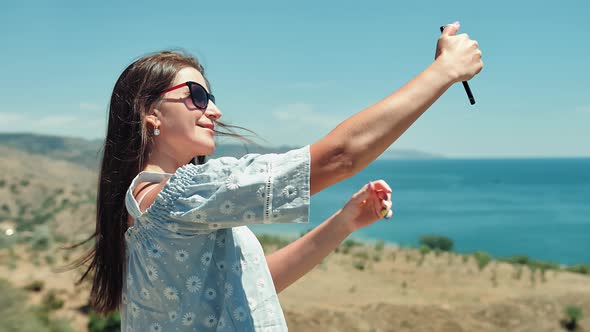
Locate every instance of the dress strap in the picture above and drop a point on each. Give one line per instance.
(145, 193)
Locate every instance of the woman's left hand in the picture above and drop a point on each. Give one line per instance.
(371, 203)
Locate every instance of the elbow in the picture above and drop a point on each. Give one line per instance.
(341, 160)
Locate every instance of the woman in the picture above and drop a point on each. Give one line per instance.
(172, 242)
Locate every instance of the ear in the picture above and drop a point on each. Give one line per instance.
(153, 120)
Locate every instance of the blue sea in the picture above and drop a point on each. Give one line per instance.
(534, 207)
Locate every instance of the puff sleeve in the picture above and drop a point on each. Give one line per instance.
(229, 192)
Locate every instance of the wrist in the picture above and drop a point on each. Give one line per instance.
(344, 221)
(442, 69)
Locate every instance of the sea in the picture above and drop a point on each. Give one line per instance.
(534, 207)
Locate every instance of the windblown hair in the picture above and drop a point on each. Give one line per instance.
(126, 150)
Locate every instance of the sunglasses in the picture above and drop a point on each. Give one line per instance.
(199, 95)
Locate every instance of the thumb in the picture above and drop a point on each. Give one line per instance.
(451, 29)
(365, 192)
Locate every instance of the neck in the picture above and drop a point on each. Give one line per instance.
(161, 160)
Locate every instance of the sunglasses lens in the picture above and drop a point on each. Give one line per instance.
(199, 95)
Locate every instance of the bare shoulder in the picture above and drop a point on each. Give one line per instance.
(148, 189)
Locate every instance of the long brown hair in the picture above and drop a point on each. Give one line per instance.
(125, 152)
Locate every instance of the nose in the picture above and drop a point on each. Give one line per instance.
(212, 111)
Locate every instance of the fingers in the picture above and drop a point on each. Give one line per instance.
(451, 29)
(383, 191)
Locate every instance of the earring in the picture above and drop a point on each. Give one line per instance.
(156, 131)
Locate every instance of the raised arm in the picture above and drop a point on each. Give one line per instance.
(360, 139)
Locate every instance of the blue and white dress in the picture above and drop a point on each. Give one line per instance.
(192, 262)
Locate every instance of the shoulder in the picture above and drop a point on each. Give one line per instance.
(147, 192)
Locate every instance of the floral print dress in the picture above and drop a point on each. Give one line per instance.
(192, 262)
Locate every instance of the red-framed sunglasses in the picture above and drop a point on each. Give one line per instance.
(199, 95)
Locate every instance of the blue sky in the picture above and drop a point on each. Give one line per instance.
(283, 69)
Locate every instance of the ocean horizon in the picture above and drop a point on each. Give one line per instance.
(538, 207)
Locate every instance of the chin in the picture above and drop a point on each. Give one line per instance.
(205, 150)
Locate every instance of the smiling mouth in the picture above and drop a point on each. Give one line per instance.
(209, 127)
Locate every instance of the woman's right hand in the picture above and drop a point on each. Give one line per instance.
(460, 56)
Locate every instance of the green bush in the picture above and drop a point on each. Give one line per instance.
(380, 245)
(349, 244)
(573, 314)
(35, 286)
(2, 183)
(51, 301)
(24, 182)
(532, 263)
(16, 316)
(437, 242)
(482, 258)
(359, 265)
(580, 268)
(424, 249)
(99, 323)
(362, 255)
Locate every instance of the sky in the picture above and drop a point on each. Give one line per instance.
(292, 71)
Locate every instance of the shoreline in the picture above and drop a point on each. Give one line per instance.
(371, 242)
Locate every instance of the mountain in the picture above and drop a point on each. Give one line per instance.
(88, 152)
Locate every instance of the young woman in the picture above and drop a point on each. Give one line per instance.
(172, 248)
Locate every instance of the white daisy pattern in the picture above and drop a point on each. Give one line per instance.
(129, 279)
(228, 290)
(172, 315)
(240, 314)
(236, 267)
(134, 310)
(152, 273)
(210, 294)
(200, 216)
(155, 251)
(194, 284)
(145, 294)
(173, 227)
(221, 265)
(261, 284)
(249, 216)
(206, 258)
(227, 207)
(233, 182)
(290, 192)
(212, 236)
(181, 255)
(221, 323)
(270, 309)
(261, 193)
(155, 327)
(221, 241)
(256, 260)
(188, 318)
(124, 298)
(210, 321)
(171, 293)
(129, 328)
(252, 302)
